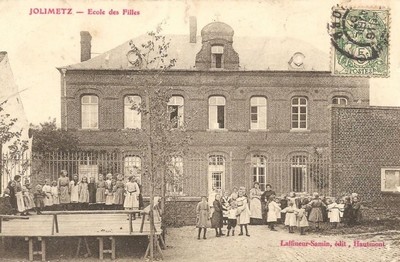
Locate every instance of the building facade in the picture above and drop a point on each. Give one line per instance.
(366, 157)
(257, 109)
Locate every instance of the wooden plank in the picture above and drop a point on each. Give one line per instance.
(13, 217)
(93, 212)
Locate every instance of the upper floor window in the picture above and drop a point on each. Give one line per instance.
(132, 117)
(216, 112)
(216, 56)
(339, 100)
(90, 112)
(258, 113)
(175, 109)
(299, 113)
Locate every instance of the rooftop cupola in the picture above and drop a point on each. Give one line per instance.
(217, 52)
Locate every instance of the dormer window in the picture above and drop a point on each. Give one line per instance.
(216, 56)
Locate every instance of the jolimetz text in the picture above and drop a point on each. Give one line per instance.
(90, 11)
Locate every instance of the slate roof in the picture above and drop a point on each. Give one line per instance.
(255, 53)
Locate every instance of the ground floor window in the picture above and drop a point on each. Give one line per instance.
(175, 179)
(258, 167)
(390, 179)
(132, 166)
(216, 173)
(298, 173)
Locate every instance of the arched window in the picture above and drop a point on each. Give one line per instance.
(258, 113)
(132, 166)
(299, 173)
(175, 109)
(216, 173)
(339, 100)
(299, 113)
(216, 112)
(90, 112)
(132, 117)
(259, 170)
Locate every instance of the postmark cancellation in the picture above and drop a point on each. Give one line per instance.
(360, 41)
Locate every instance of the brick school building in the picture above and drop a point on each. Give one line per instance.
(260, 108)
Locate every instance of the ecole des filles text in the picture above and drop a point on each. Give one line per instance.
(89, 11)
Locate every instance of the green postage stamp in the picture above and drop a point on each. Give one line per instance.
(360, 40)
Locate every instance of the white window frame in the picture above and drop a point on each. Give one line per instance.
(90, 112)
(216, 170)
(132, 166)
(213, 103)
(176, 169)
(341, 100)
(259, 104)
(383, 179)
(132, 117)
(179, 102)
(299, 161)
(217, 50)
(298, 106)
(259, 163)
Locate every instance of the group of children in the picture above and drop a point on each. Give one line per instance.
(231, 209)
(294, 211)
(63, 194)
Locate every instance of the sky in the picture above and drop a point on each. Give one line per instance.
(37, 44)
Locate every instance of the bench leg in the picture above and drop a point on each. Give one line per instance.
(158, 247)
(101, 247)
(79, 247)
(146, 254)
(112, 248)
(43, 251)
(87, 247)
(163, 246)
(30, 244)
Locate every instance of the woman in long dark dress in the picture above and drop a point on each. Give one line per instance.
(264, 200)
(217, 218)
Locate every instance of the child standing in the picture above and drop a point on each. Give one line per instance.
(119, 189)
(39, 197)
(101, 191)
(92, 192)
(63, 189)
(341, 209)
(302, 221)
(232, 219)
(8, 209)
(55, 195)
(284, 204)
(290, 219)
(109, 192)
(48, 201)
(273, 209)
(131, 195)
(316, 215)
(74, 190)
(334, 213)
(202, 216)
(225, 207)
(83, 189)
(28, 196)
(243, 211)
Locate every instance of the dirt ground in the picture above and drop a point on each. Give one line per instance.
(262, 245)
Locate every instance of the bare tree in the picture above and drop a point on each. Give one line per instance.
(165, 133)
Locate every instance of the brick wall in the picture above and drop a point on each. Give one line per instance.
(364, 140)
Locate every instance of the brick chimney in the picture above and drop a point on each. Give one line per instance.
(193, 29)
(86, 45)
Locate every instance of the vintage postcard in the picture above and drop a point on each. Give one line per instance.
(196, 130)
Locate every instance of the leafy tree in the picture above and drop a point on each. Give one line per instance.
(48, 138)
(16, 150)
(165, 138)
